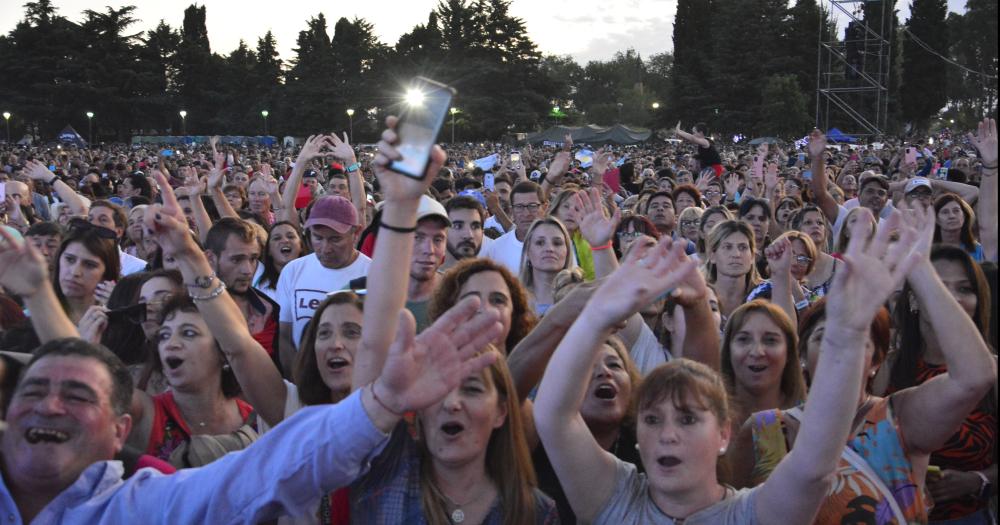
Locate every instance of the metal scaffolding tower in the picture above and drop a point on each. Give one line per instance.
(852, 75)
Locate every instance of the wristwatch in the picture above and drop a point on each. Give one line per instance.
(203, 281)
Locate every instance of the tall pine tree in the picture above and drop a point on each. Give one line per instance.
(923, 91)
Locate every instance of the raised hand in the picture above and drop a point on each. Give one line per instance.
(311, 149)
(601, 162)
(567, 143)
(341, 148)
(704, 178)
(23, 269)
(165, 223)
(103, 291)
(558, 167)
(771, 176)
(597, 228)
(216, 177)
(872, 272)
(647, 273)
(732, 184)
(420, 370)
(779, 257)
(922, 221)
(394, 185)
(985, 140)
(762, 151)
(817, 144)
(38, 171)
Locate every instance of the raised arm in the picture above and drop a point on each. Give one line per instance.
(309, 151)
(258, 376)
(779, 260)
(585, 470)
(557, 168)
(215, 180)
(344, 152)
(986, 142)
(678, 132)
(38, 171)
(819, 182)
(387, 278)
(870, 275)
(24, 272)
(931, 413)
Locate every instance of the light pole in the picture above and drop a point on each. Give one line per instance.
(6, 119)
(453, 111)
(656, 106)
(90, 127)
(620, 112)
(183, 114)
(264, 113)
(350, 118)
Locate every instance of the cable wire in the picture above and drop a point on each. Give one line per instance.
(928, 48)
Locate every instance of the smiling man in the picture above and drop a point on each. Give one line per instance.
(232, 249)
(333, 228)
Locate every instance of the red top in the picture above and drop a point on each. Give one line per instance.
(170, 429)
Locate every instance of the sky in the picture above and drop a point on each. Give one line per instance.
(584, 29)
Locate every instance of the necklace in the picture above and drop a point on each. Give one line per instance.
(457, 515)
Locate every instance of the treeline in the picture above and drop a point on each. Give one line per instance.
(744, 65)
(751, 65)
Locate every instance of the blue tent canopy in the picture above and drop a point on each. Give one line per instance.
(835, 135)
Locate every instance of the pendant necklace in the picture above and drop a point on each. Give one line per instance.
(457, 515)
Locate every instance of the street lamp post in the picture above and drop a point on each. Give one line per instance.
(90, 127)
(656, 105)
(265, 113)
(6, 119)
(350, 118)
(453, 111)
(620, 112)
(183, 115)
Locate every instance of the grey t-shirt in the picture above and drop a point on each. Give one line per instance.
(630, 504)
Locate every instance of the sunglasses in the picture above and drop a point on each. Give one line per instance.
(75, 225)
(135, 314)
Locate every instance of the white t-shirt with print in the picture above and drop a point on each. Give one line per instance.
(304, 283)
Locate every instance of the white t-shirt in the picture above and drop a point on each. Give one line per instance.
(492, 222)
(304, 283)
(130, 263)
(647, 352)
(506, 250)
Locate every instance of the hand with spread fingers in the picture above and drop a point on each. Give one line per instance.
(597, 228)
(165, 223)
(421, 369)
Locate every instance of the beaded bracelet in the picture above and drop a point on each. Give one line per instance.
(211, 295)
(379, 401)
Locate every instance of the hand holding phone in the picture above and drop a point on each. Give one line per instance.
(419, 125)
(910, 157)
(489, 182)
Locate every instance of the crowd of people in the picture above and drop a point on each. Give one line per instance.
(684, 332)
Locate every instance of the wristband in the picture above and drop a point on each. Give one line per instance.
(985, 167)
(379, 401)
(53, 180)
(353, 167)
(602, 247)
(397, 229)
(802, 305)
(202, 281)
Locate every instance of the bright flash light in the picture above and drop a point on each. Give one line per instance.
(414, 97)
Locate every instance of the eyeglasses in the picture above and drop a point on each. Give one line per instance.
(803, 259)
(78, 224)
(624, 236)
(712, 193)
(526, 207)
(685, 224)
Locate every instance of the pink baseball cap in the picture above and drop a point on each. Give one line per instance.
(334, 212)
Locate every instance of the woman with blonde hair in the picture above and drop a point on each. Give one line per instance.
(545, 253)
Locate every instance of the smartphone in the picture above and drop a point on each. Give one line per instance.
(515, 157)
(419, 125)
(489, 181)
(911, 156)
(807, 175)
(941, 173)
(167, 153)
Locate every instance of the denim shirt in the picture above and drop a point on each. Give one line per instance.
(308, 455)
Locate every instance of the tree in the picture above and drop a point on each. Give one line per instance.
(309, 86)
(784, 110)
(923, 90)
(972, 92)
(808, 24)
(691, 92)
(197, 91)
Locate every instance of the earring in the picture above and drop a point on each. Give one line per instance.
(637, 446)
(722, 451)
